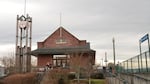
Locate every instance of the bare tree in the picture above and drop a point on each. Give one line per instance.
(81, 61)
(8, 61)
(75, 64)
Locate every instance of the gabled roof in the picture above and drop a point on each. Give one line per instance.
(61, 29)
(51, 47)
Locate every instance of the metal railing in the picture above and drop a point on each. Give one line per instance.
(137, 64)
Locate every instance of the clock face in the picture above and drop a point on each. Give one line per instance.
(23, 24)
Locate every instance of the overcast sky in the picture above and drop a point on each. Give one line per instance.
(96, 21)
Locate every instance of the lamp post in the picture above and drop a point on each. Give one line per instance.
(106, 59)
(102, 62)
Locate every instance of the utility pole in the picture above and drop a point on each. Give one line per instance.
(114, 54)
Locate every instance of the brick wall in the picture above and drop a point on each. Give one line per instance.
(44, 59)
(51, 41)
(68, 40)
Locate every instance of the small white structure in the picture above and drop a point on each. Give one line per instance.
(2, 71)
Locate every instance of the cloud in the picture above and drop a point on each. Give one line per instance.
(96, 21)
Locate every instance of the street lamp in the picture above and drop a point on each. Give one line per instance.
(106, 59)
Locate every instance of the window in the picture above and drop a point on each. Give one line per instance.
(60, 60)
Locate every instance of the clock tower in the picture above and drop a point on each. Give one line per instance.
(23, 43)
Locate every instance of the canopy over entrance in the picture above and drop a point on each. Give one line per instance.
(63, 50)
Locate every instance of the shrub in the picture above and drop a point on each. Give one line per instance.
(97, 76)
(97, 81)
(71, 76)
(61, 81)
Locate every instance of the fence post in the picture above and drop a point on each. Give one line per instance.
(146, 62)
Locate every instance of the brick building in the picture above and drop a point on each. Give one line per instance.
(62, 49)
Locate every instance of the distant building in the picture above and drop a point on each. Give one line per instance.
(2, 71)
(62, 49)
